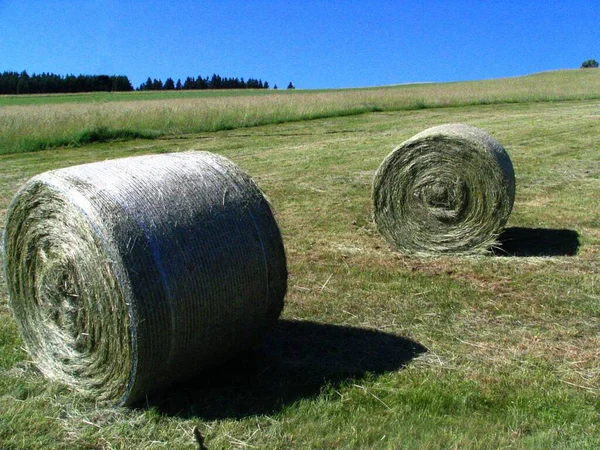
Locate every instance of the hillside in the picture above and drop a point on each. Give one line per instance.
(375, 349)
(36, 122)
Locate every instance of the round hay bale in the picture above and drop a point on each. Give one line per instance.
(126, 276)
(446, 190)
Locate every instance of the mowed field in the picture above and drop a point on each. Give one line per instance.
(374, 349)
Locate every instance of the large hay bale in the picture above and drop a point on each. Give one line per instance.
(126, 276)
(446, 190)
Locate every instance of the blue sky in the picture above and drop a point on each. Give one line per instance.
(314, 44)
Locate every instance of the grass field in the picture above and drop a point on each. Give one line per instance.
(38, 122)
(374, 349)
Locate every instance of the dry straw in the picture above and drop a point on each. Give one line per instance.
(126, 276)
(447, 190)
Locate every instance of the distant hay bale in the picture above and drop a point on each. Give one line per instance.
(447, 190)
(126, 276)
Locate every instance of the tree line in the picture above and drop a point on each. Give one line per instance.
(50, 83)
(214, 82)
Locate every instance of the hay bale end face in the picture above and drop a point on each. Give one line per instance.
(126, 276)
(447, 190)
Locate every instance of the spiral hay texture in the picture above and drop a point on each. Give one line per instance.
(447, 190)
(126, 276)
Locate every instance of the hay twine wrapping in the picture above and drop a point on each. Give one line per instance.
(126, 276)
(447, 190)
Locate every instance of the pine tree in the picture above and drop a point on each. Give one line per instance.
(23, 83)
(215, 82)
(146, 86)
(169, 84)
(202, 83)
(157, 85)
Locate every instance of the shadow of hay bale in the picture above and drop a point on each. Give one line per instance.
(298, 359)
(517, 241)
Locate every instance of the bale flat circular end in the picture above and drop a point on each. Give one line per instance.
(65, 294)
(126, 276)
(447, 190)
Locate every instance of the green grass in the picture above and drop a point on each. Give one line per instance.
(104, 97)
(37, 122)
(375, 349)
